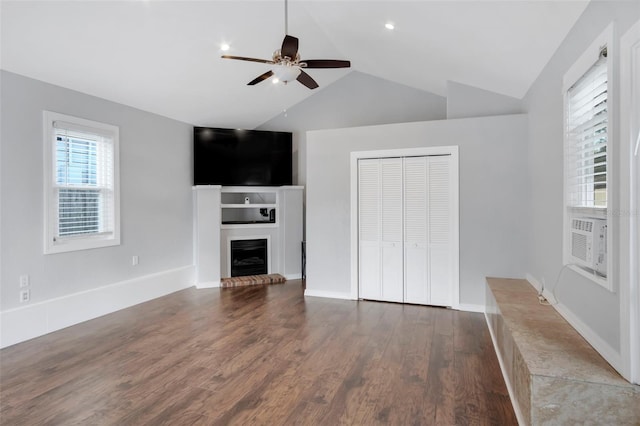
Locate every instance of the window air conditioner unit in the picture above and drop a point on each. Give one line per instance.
(589, 244)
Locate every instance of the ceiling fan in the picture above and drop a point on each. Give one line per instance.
(287, 65)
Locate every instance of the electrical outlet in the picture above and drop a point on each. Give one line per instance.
(25, 296)
(134, 260)
(24, 281)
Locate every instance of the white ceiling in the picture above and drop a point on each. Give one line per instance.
(164, 56)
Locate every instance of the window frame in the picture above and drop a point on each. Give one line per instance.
(582, 65)
(52, 242)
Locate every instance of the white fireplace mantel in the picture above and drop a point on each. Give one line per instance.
(214, 204)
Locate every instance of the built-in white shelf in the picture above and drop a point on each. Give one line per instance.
(217, 209)
(248, 206)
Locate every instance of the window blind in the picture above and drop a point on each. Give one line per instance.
(83, 182)
(586, 135)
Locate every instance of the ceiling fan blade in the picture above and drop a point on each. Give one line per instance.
(289, 47)
(260, 78)
(242, 58)
(326, 63)
(306, 79)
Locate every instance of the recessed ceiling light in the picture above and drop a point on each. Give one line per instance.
(224, 47)
(389, 26)
(275, 80)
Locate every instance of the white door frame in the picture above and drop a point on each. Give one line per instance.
(409, 152)
(630, 204)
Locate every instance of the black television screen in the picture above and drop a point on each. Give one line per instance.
(234, 157)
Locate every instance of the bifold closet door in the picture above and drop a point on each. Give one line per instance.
(380, 229)
(428, 231)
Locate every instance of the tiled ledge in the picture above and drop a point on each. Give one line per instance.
(554, 375)
(252, 280)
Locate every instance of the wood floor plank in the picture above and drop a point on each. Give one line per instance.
(259, 355)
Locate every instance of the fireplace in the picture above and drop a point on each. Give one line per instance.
(249, 257)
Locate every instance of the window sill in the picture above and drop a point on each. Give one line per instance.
(77, 244)
(591, 276)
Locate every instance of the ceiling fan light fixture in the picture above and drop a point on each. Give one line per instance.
(286, 73)
(224, 47)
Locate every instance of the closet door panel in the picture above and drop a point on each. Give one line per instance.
(415, 278)
(439, 230)
(370, 267)
(369, 232)
(391, 198)
(440, 277)
(415, 230)
(392, 274)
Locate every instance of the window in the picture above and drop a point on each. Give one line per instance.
(81, 184)
(587, 148)
(586, 137)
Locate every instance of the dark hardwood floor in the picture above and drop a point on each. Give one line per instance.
(259, 355)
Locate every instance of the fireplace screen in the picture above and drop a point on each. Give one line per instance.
(248, 257)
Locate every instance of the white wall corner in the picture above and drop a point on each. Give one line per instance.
(26, 322)
(534, 282)
(207, 284)
(293, 276)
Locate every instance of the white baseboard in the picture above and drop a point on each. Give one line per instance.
(327, 294)
(512, 395)
(611, 355)
(534, 282)
(603, 348)
(293, 276)
(208, 284)
(468, 307)
(27, 322)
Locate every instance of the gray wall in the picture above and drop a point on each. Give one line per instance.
(467, 101)
(156, 199)
(493, 198)
(596, 307)
(357, 99)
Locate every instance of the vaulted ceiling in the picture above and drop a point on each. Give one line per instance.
(164, 56)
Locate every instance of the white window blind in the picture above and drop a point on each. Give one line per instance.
(81, 174)
(586, 137)
(83, 181)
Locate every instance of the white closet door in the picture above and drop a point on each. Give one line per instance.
(439, 230)
(391, 196)
(405, 230)
(415, 231)
(369, 232)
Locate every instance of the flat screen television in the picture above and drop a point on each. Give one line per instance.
(234, 157)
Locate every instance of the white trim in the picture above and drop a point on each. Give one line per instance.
(84, 242)
(248, 237)
(292, 276)
(609, 353)
(629, 231)
(327, 294)
(533, 281)
(512, 395)
(37, 319)
(575, 72)
(207, 284)
(409, 152)
(588, 57)
(469, 307)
